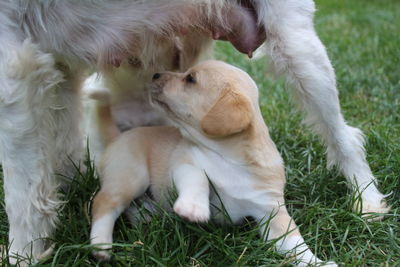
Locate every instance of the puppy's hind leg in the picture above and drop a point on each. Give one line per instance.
(107, 207)
(27, 140)
(290, 242)
(295, 49)
(124, 179)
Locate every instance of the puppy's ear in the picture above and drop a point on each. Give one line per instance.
(230, 114)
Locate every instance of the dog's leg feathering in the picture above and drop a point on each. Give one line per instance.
(295, 49)
(289, 240)
(27, 145)
(68, 114)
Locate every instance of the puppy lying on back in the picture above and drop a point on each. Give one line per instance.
(219, 134)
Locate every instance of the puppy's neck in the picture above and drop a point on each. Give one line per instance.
(252, 147)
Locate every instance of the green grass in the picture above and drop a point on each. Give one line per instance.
(362, 38)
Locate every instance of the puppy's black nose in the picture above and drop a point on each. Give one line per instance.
(156, 76)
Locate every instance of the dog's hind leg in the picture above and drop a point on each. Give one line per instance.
(108, 205)
(296, 50)
(28, 86)
(125, 177)
(67, 113)
(277, 224)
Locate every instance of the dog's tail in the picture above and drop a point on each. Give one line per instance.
(108, 130)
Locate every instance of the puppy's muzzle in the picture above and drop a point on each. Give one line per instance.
(158, 82)
(156, 90)
(156, 76)
(157, 85)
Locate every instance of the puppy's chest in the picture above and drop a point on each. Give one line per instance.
(230, 179)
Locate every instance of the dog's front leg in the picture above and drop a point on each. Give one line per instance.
(295, 49)
(193, 193)
(28, 97)
(279, 225)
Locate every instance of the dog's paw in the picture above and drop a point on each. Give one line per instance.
(330, 264)
(101, 250)
(371, 211)
(318, 263)
(315, 262)
(192, 210)
(327, 264)
(101, 255)
(47, 253)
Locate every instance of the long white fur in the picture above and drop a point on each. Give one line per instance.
(28, 150)
(39, 101)
(296, 50)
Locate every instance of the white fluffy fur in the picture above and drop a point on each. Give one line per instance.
(28, 150)
(39, 101)
(296, 50)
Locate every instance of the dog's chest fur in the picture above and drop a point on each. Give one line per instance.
(233, 188)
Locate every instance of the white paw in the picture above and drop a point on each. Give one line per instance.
(23, 258)
(318, 263)
(101, 252)
(329, 264)
(101, 255)
(14, 261)
(47, 253)
(192, 210)
(368, 209)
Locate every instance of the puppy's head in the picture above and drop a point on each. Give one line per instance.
(214, 98)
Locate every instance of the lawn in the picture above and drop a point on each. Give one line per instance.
(363, 41)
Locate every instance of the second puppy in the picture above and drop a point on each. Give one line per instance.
(220, 135)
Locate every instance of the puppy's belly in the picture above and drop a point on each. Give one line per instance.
(136, 113)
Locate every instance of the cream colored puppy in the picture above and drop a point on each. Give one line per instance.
(219, 134)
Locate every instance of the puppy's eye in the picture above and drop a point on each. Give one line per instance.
(190, 79)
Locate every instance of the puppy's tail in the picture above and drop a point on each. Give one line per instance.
(108, 130)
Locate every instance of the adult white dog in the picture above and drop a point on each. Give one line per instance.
(49, 46)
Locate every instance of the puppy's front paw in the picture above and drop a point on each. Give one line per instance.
(194, 211)
(330, 264)
(101, 255)
(317, 263)
(102, 250)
